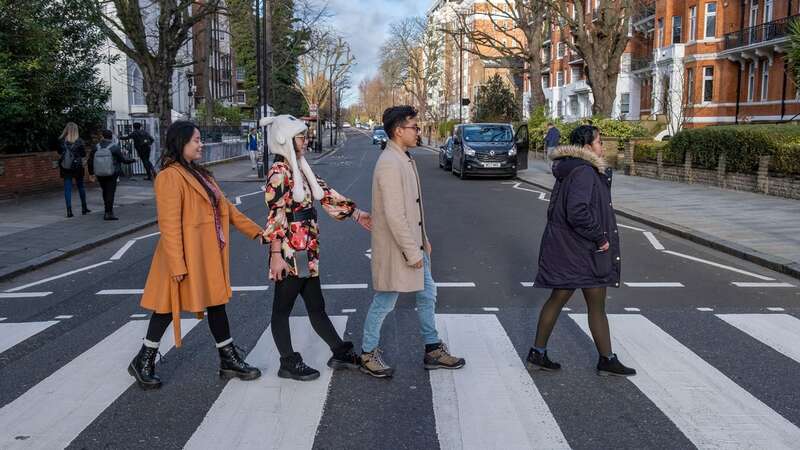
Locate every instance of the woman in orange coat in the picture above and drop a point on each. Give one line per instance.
(189, 271)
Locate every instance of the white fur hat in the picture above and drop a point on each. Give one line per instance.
(281, 131)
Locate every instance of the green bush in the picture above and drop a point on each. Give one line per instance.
(647, 151)
(623, 130)
(786, 159)
(446, 128)
(537, 130)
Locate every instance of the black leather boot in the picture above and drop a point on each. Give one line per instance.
(232, 365)
(293, 367)
(69, 212)
(143, 368)
(344, 357)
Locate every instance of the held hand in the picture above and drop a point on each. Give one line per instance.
(605, 247)
(278, 269)
(365, 220)
(418, 265)
(179, 278)
(428, 248)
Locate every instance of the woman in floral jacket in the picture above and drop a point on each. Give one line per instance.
(293, 235)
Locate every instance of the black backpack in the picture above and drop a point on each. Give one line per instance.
(69, 160)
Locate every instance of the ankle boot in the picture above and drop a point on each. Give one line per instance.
(69, 211)
(109, 216)
(344, 357)
(85, 210)
(143, 368)
(610, 366)
(232, 365)
(293, 367)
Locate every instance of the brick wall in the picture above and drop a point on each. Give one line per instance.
(28, 173)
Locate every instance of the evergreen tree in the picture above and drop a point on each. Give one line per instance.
(495, 102)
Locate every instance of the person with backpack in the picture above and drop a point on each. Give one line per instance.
(105, 163)
(71, 152)
(141, 142)
(252, 146)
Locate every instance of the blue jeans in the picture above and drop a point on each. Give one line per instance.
(383, 303)
(68, 190)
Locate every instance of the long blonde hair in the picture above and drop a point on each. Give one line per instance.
(70, 133)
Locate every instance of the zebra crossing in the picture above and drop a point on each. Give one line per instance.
(491, 403)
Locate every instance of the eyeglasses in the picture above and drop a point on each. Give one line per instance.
(301, 136)
(415, 127)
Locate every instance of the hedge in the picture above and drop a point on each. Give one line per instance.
(647, 151)
(621, 130)
(786, 159)
(446, 128)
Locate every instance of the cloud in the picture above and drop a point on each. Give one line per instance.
(365, 26)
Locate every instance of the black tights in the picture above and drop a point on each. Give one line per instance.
(598, 321)
(286, 292)
(217, 321)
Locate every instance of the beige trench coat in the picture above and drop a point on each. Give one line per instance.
(398, 223)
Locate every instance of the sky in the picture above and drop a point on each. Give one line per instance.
(365, 25)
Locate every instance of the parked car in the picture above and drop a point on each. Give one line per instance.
(346, 125)
(484, 149)
(446, 155)
(379, 136)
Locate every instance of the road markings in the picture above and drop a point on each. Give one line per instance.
(348, 311)
(527, 284)
(490, 309)
(3, 318)
(25, 295)
(344, 286)
(233, 288)
(492, 402)
(63, 317)
(455, 285)
(249, 288)
(138, 316)
(779, 331)
(56, 277)
(147, 236)
(631, 228)
(121, 252)
(703, 309)
(775, 309)
(708, 407)
(271, 411)
(566, 309)
(653, 241)
(721, 266)
(762, 285)
(12, 334)
(632, 309)
(368, 253)
(238, 200)
(542, 195)
(55, 411)
(655, 285)
(120, 292)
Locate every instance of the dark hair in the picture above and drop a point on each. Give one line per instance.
(396, 116)
(584, 135)
(137, 126)
(549, 124)
(178, 135)
(107, 134)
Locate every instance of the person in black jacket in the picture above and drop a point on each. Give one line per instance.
(108, 183)
(579, 248)
(142, 142)
(71, 152)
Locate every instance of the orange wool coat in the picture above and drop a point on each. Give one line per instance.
(188, 246)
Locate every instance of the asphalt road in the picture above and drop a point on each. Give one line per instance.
(725, 375)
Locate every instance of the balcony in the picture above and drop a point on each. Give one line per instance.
(641, 62)
(644, 17)
(760, 35)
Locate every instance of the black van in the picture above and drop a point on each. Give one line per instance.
(484, 149)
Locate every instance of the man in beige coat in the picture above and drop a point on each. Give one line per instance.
(400, 247)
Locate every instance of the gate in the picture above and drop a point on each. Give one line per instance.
(123, 128)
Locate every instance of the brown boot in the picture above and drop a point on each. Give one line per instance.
(372, 364)
(440, 358)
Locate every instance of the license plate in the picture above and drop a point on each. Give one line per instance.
(491, 165)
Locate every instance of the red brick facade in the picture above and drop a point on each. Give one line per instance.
(28, 173)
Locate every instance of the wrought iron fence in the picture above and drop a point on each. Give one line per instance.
(759, 33)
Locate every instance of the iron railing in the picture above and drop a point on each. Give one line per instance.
(759, 33)
(642, 62)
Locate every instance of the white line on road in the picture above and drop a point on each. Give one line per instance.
(721, 266)
(239, 198)
(491, 308)
(527, 284)
(117, 256)
(566, 309)
(25, 295)
(704, 309)
(12, 334)
(632, 309)
(147, 236)
(55, 411)
(270, 411)
(71, 272)
(120, 292)
(779, 331)
(3, 318)
(653, 241)
(708, 407)
(63, 317)
(344, 286)
(249, 288)
(631, 228)
(669, 284)
(348, 311)
(542, 195)
(233, 288)
(138, 316)
(456, 285)
(762, 285)
(775, 309)
(492, 402)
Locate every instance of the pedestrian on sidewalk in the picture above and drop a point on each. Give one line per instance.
(190, 268)
(252, 146)
(579, 247)
(551, 139)
(105, 163)
(142, 142)
(293, 234)
(400, 247)
(72, 150)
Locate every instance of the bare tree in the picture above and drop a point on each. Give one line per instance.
(327, 60)
(152, 35)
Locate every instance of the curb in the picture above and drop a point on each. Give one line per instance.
(772, 262)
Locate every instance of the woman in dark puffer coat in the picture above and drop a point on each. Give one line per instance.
(580, 247)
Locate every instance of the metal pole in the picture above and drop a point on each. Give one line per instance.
(258, 58)
(461, 75)
(267, 79)
(331, 102)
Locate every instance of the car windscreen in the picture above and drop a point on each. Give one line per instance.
(379, 133)
(487, 133)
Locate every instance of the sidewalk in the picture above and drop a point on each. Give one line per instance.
(35, 232)
(759, 228)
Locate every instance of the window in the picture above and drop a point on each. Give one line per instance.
(577, 73)
(660, 32)
(676, 29)
(751, 82)
(560, 50)
(753, 20)
(708, 84)
(241, 97)
(240, 74)
(560, 109)
(690, 86)
(693, 23)
(764, 80)
(767, 11)
(625, 104)
(711, 20)
(573, 105)
(560, 78)
(135, 84)
(546, 81)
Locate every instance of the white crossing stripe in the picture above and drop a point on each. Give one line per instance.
(63, 317)
(12, 334)
(344, 286)
(779, 331)
(632, 309)
(456, 285)
(653, 240)
(491, 308)
(271, 412)
(54, 412)
(121, 252)
(721, 266)
(704, 309)
(492, 402)
(708, 407)
(527, 284)
(762, 285)
(24, 294)
(121, 292)
(249, 288)
(348, 310)
(655, 285)
(775, 308)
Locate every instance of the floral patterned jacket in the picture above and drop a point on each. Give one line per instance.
(304, 234)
